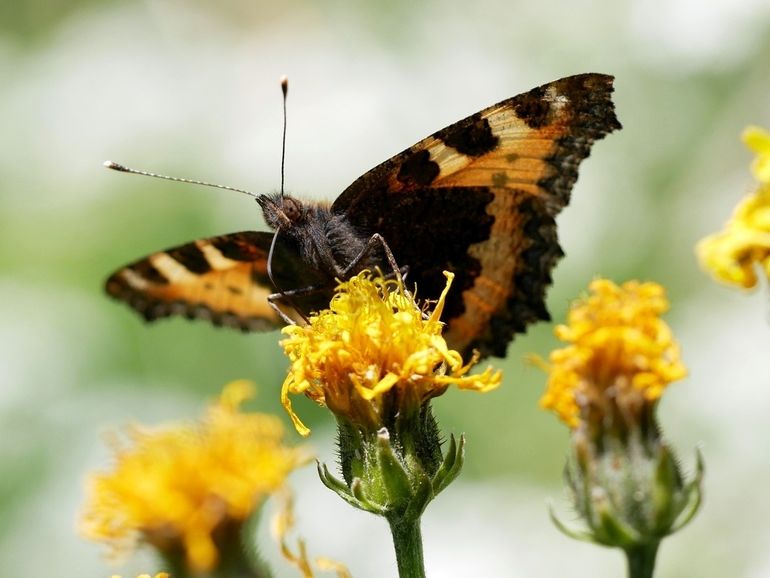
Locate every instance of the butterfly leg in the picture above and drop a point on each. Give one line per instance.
(399, 273)
(373, 243)
(271, 300)
(286, 296)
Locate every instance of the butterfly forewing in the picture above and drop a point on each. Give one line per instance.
(479, 198)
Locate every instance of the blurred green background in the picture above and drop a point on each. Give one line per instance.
(191, 88)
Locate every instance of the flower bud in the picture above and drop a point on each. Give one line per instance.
(630, 492)
(394, 475)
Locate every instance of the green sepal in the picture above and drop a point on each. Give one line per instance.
(611, 530)
(665, 492)
(606, 530)
(451, 466)
(694, 493)
(352, 495)
(335, 485)
(395, 479)
(358, 490)
(582, 535)
(396, 471)
(629, 491)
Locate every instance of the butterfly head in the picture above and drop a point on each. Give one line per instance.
(282, 212)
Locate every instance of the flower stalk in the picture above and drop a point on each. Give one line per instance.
(407, 541)
(641, 560)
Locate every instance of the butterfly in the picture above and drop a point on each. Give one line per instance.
(478, 198)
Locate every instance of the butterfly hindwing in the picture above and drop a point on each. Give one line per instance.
(221, 279)
(479, 198)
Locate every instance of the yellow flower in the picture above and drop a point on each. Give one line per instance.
(733, 254)
(175, 486)
(758, 140)
(620, 353)
(374, 350)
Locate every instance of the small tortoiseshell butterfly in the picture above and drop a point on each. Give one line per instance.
(477, 198)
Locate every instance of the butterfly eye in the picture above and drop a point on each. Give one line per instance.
(291, 208)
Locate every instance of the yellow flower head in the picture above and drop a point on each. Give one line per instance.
(732, 255)
(620, 353)
(374, 350)
(174, 486)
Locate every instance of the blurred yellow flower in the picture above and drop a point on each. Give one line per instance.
(758, 140)
(175, 486)
(620, 353)
(733, 254)
(374, 348)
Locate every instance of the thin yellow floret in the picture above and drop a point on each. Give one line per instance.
(619, 352)
(374, 340)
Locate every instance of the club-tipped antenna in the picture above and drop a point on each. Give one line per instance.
(125, 169)
(285, 91)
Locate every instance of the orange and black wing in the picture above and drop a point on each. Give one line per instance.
(222, 279)
(479, 198)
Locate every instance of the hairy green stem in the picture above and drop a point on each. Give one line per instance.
(407, 540)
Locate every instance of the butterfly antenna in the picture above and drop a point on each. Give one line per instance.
(125, 169)
(285, 90)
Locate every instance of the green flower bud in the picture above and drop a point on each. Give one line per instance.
(394, 473)
(629, 491)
